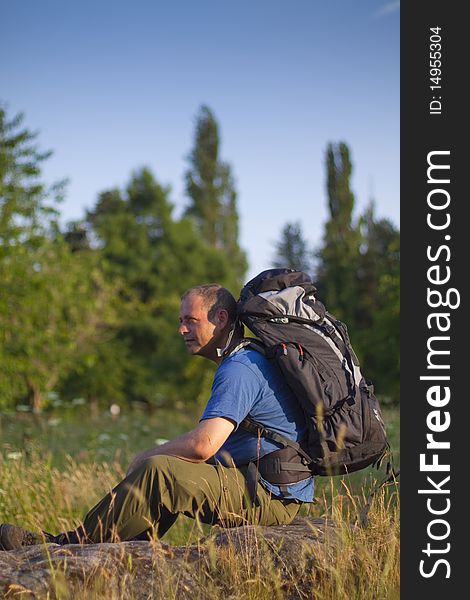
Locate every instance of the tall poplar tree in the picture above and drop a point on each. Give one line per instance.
(213, 198)
(339, 256)
(358, 276)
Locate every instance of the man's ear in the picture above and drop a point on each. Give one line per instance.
(222, 318)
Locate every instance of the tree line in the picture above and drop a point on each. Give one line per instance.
(89, 310)
(357, 272)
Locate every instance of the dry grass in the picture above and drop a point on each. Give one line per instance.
(356, 563)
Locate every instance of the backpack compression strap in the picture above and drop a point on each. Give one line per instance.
(281, 467)
(257, 429)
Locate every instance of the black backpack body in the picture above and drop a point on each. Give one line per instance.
(345, 428)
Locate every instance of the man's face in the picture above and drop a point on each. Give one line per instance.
(201, 336)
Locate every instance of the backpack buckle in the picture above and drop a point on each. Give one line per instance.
(329, 330)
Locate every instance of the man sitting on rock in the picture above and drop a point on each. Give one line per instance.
(196, 473)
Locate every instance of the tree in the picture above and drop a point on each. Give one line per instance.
(52, 302)
(153, 258)
(292, 250)
(378, 306)
(53, 313)
(76, 236)
(338, 258)
(210, 186)
(27, 206)
(359, 276)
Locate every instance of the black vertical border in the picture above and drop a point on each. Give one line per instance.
(421, 133)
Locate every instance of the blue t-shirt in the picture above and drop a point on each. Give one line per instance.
(246, 383)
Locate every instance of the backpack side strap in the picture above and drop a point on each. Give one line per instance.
(259, 430)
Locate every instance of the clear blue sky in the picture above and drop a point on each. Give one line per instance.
(115, 85)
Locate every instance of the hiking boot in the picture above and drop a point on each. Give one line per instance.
(13, 537)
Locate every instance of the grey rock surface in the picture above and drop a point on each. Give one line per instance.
(143, 570)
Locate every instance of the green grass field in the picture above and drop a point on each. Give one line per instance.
(54, 467)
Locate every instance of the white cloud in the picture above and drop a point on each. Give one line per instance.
(387, 9)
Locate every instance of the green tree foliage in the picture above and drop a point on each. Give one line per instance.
(211, 189)
(292, 250)
(53, 309)
(76, 236)
(28, 210)
(93, 312)
(153, 258)
(378, 307)
(50, 302)
(338, 258)
(359, 276)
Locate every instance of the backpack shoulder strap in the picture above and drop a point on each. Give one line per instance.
(252, 343)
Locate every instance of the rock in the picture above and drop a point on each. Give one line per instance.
(141, 569)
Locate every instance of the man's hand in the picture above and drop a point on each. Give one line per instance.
(197, 445)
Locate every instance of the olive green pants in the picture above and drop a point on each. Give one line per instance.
(162, 487)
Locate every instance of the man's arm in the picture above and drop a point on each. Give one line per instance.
(196, 445)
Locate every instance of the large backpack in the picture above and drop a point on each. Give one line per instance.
(345, 428)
